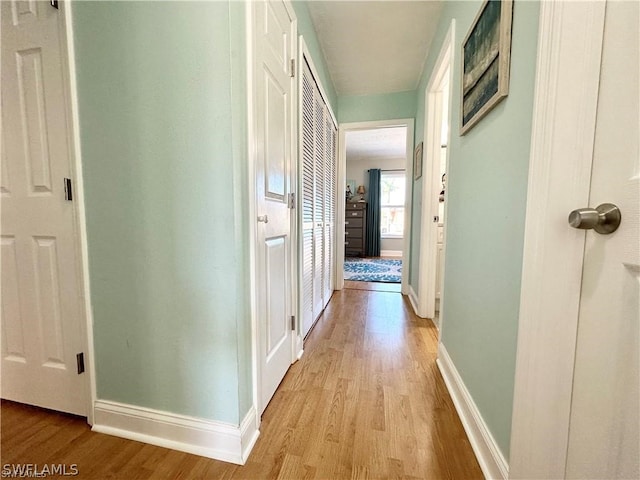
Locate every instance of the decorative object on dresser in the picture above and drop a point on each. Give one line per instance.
(355, 228)
(350, 190)
(361, 192)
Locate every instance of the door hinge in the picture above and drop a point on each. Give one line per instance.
(68, 190)
(54, 3)
(292, 200)
(293, 322)
(293, 68)
(80, 362)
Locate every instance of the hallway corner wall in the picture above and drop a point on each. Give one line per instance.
(487, 191)
(162, 112)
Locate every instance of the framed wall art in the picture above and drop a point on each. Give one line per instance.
(486, 58)
(417, 162)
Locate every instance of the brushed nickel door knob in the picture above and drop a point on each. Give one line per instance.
(603, 219)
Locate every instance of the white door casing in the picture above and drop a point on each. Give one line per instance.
(274, 110)
(604, 440)
(42, 315)
(431, 179)
(341, 170)
(578, 331)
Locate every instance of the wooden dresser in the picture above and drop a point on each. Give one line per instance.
(355, 228)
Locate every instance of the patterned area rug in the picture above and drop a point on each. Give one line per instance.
(373, 270)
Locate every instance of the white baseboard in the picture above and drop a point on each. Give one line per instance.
(490, 458)
(391, 253)
(299, 347)
(207, 438)
(413, 299)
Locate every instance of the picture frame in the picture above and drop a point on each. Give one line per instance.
(486, 60)
(417, 162)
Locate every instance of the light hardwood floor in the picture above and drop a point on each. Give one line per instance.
(365, 401)
(377, 286)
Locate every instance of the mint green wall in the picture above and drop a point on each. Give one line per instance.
(165, 183)
(237, 15)
(487, 183)
(307, 30)
(369, 108)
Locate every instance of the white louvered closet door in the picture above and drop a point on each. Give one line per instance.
(318, 206)
(307, 198)
(329, 204)
(318, 191)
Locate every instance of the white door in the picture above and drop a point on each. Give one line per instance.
(41, 319)
(274, 97)
(603, 434)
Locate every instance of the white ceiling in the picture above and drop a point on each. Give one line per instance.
(375, 47)
(388, 142)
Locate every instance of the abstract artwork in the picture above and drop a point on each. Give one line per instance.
(486, 53)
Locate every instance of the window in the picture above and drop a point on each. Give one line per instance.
(392, 196)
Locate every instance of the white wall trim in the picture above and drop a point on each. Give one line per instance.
(490, 458)
(207, 438)
(342, 177)
(391, 253)
(413, 299)
(253, 234)
(82, 250)
(431, 174)
(564, 115)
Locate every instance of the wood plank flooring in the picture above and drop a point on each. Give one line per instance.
(365, 401)
(377, 286)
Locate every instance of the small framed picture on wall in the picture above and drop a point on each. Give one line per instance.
(417, 162)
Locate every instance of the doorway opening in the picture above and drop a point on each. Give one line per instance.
(434, 191)
(375, 170)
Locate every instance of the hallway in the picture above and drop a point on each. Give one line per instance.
(365, 401)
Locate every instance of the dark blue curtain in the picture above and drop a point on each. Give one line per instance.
(372, 244)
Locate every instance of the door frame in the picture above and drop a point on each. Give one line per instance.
(80, 219)
(433, 102)
(251, 152)
(564, 119)
(343, 128)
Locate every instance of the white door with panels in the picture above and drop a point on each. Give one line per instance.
(42, 334)
(604, 439)
(274, 49)
(317, 217)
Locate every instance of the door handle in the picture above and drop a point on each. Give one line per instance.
(263, 219)
(603, 219)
